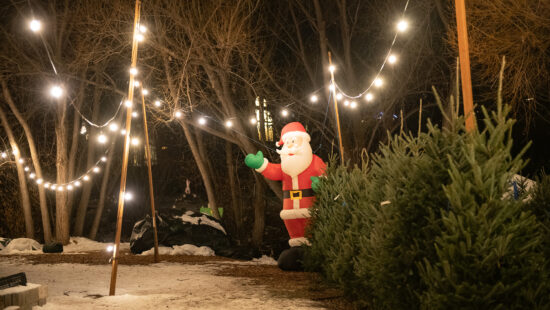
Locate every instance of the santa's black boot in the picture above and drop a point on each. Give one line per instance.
(291, 259)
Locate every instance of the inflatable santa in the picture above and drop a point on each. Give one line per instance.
(299, 171)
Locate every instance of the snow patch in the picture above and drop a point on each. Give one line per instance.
(22, 246)
(81, 244)
(200, 220)
(265, 260)
(186, 249)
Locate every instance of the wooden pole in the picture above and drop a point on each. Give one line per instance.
(150, 171)
(401, 117)
(336, 110)
(114, 259)
(420, 118)
(464, 54)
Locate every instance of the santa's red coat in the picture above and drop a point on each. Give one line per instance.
(295, 212)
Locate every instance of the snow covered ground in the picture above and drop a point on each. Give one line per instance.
(155, 286)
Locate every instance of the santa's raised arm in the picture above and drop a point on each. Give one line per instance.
(299, 167)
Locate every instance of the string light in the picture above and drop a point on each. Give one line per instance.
(332, 88)
(284, 112)
(136, 83)
(133, 71)
(253, 121)
(228, 124)
(135, 114)
(86, 178)
(353, 105)
(202, 121)
(113, 127)
(21, 161)
(142, 29)
(103, 158)
(35, 25)
(331, 69)
(96, 169)
(56, 91)
(378, 82)
(392, 59)
(369, 97)
(339, 96)
(346, 103)
(32, 175)
(128, 196)
(178, 114)
(47, 185)
(157, 103)
(314, 98)
(123, 132)
(102, 138)
(145, 92)
(135, 141)
(69, 187)
(128, 103)
(140, 37)
(4, 155)
(77, 183)
(402, 25)
(39, 181)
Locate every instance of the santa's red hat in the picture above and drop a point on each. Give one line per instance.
(294, 129)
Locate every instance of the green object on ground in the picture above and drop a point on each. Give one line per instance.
(208, 211)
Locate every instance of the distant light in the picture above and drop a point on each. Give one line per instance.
(53, 186)
(331, 69)
(228, 124)
(103, 158)
(178, 114)
(135, 114)
(123, 132)
(332, 88)
(202, 121)
(392, 59)
(378, 82)
(135, 141)
(39, 181)
(128, 196)
(136, 83)
(284, 112)
(145, 92)
(96, 170)
(142, 29)
(21, 160)
(4, 155)
(402, 25)
(339, 96)
(253, 121)
(35, 25)
(77, 183)
(140, 37)
(133, 71)
(27, 169)
(32, 175)
(113, 127)
(346, 103)
(369, 97)
(102, 138)
(157, 103)
(56, 91)
(60, 188)
(128, 103)
(47, 185)
(15, 152)
(86, 178)
(314, 98)
(69, 187)
(353, 105)
(110, 248)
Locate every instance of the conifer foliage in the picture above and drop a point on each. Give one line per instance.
(426, 225)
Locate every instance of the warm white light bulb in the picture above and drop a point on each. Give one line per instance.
(35, 25)
(69, 187)
(47, 185)
(113, 127)
(102, 138)
(332, 88)
(21, 160)
(135, 141)
(157, 103)
(136, 83)
(142, 29)
(60, 188)
(135, 114)
(133, 71)
(331, 69)
(202, 121)
(228, 124)
(128, 103)
(86, 178)
(369, 97)
(27, 169)
(128, 196)
(39, 181)
(110, 248)
(145, 92)
(314, 98)
(4, 155)
(353, 105)
(103, 158)
(346, 103)
(378, 82)
(32, 175)
(96, 170)
(178, 114)
(253, 121)
(53, 186)
(56, 91)
(402, 25)
(123, 132)
(140, 37)
(284, 112)
(392, 59)
(77, 183)
(339, 96)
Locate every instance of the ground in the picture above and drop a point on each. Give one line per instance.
(81, 281)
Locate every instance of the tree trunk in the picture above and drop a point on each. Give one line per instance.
(46, 226)
(102, 195)
(25, 200)
(231, 173)
(62, 221)
(259, 213)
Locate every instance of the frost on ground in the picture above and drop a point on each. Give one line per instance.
(155, 286)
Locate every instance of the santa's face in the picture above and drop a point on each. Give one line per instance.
(296, 155)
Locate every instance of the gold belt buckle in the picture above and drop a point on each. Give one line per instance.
(299, 196)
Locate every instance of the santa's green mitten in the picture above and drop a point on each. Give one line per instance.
(254, 161)
(315, 183)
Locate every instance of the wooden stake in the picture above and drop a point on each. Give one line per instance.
(150, 171)
(420, 118)
(336, 110)
(114, 259)
(464, 54)
(401, 116)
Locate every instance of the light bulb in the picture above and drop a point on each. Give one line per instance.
(139, 37)
(15, 152)
(103, 158)
(4, 155)
(27, 169)
(35, 25)
(353, 105)
(253, 121)
(56, 91)
(346, 103)
(332, 88)
(202, 121)
(102, 138)
(110, 248)
(402, 25)
(32, 175)
(53, 186)
(96, 170)
(39, 181)
(135, 141)
(128, 196)
(133, 71)
(178, 114)
(77, 183)
(142, 29)
(21, 160)
(113, 127)
(378, 82)
(284, 112)
(69, 187)
(145, 92)
(128, 103)
(392, 59)
(314, 98)
(369, 97)
(157, 103)
(135, 114)
(228, 124)
(60, 188)
(331, 69)
(339, 96)
(123, 132)
(86, 178)
(136, 83)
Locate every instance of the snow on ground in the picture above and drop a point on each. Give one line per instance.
(155, 286)
(186, 249)
(76, 245)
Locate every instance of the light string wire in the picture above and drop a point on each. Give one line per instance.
(337, 87)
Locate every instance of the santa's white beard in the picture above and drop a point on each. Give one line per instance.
(295, 164)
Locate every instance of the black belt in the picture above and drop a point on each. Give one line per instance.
(298, 194)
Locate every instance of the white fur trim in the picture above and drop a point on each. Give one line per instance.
(296, 134)
(262, 168)
(298, 241)
(292, 214)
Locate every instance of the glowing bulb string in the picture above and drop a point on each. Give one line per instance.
(377, 81)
